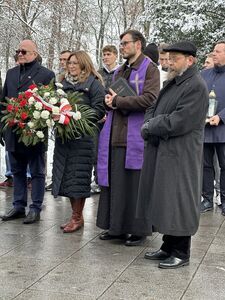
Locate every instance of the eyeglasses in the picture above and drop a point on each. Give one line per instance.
(125, 43)
(22, 51)
(73, 63)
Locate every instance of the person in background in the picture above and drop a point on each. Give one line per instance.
(18, 79)
(152, 52)
(209, 63)
(73, 160)
(163, 63)
(215, 130)
(63, 57)
(109, 58)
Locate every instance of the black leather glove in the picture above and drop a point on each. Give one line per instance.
(144, 131)
(154, 140)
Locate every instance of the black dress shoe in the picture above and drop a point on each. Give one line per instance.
(157, 255)
(32, 217)
(173, 262)
(13, 214)
(135, 240)
(105, 236)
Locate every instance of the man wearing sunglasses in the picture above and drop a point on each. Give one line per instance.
(18, 79)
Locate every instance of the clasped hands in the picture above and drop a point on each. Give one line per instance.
(214, 120)
(109, 98)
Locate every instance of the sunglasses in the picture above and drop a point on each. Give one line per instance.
(22, 51)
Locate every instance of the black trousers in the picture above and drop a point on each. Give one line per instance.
(209, 171)
(178, 246)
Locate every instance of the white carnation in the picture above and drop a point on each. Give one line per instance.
(59, 85)
(60, 92)
(30, 124)
(35, 90)
(53, 100)
(31, 100)
(40, 134)
(64, 100)
(46, 94)
(38, 106)
(50, 123)
(36, 114)
(55, 110)
(45, 114)
(77, 116)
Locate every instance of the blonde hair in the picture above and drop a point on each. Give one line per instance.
(86, 65)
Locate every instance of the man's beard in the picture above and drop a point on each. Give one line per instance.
(175, 73)
(165, 69)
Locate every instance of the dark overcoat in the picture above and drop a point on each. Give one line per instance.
(171, 178)
(13, 86)
(73, 160)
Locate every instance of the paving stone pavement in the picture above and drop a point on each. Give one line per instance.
(39, 262)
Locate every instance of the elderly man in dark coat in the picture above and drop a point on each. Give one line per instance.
(170, 183)
(18, 79)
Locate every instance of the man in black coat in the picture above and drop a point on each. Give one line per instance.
(171, 177)
(18, 79)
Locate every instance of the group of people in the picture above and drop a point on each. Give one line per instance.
(150, 145)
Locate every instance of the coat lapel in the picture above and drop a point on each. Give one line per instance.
(29, 76)
(14, 84)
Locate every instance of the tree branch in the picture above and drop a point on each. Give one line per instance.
(18, 16)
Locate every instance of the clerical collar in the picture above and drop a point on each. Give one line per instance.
(219, 69)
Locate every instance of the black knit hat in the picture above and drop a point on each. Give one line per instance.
(184, 47)
(152, 52)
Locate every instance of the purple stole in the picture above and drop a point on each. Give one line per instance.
(135, 143)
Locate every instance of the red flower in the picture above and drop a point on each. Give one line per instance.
(10, 107)
(16, 108)
(20, 97)
(24, 116)
(21, 124)
(66, 121)
(32, 86)
(28, 94)
(23, 102)
(11, 123)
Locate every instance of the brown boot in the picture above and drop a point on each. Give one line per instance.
(77, 220)
(62, 226)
